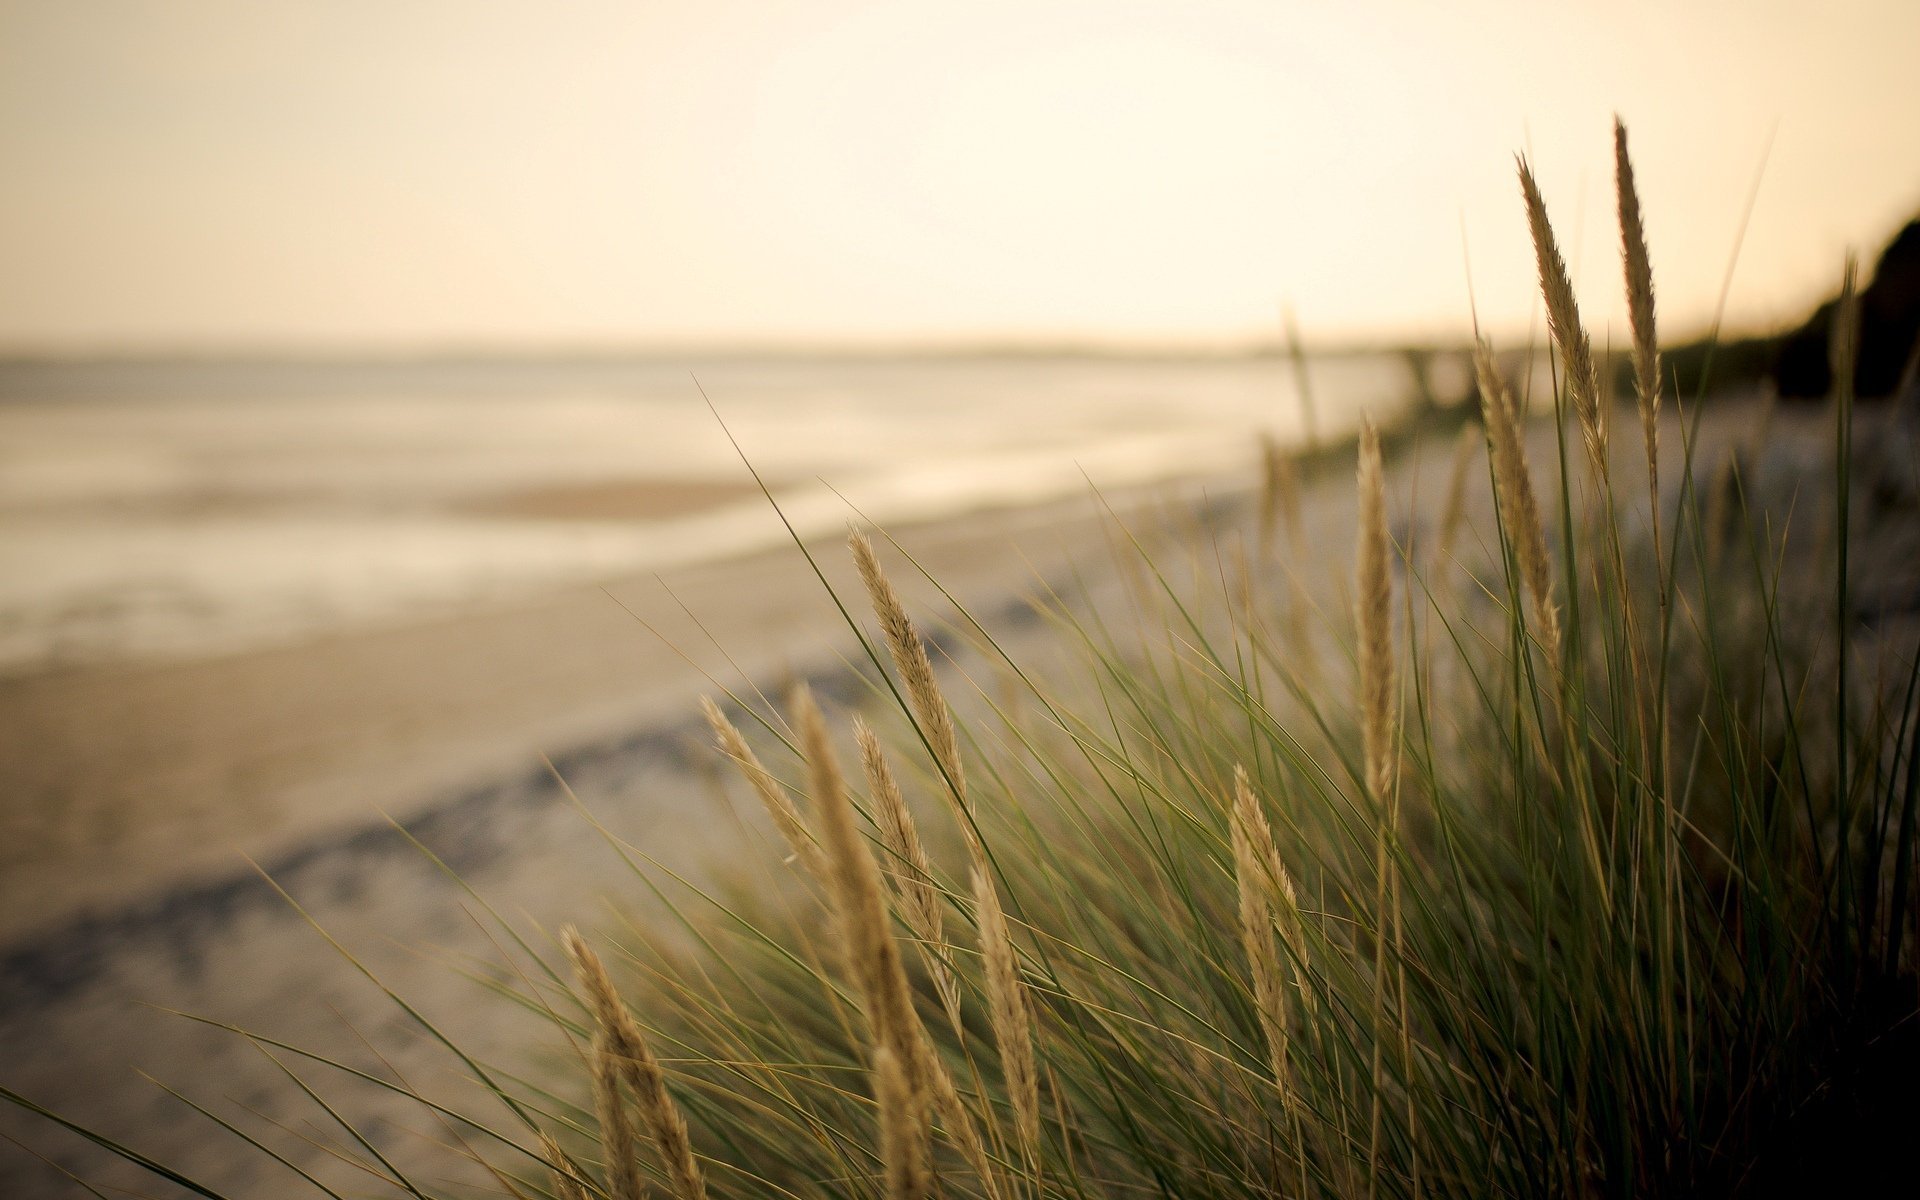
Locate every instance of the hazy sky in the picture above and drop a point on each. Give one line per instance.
(406, 172)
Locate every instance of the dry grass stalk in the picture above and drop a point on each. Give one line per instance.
(786, 817)
(1012, 1010)
(1646, 387)
(560, 1172)
(1302, 377)
(1261, 880)
(1563, 322)
(1373, 614)
(1513, 490)
(903, 1121)
(1302, 651)
(1843, 347)
(910, 659)
(1237, 586)
(921, 898)
(1646, 345)
(958, 1121)
(861, 906)
(620, 1038)
(619, 1149)
(1266, 899)
(1453, 510)
(1279, 496)
(873, 957)
(900, 835)
(1718, 519)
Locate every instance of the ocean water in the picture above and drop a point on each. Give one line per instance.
(153, 511)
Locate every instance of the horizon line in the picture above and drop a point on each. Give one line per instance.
(611, 350)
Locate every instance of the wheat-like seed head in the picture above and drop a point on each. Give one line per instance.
(1293, 933)
(1012, 1010)
(900, 835)
(910, 659)
(903, 1120)
(952, 1110)
(920, 895)
(860, 904)
(773, 797)
(566, 1185)
(1373, 615)
(1258, 875)
(1373, 602)
(1639, 271)
(618, 1147)
(624, 1042)
(1513, 490)
(872, 955)
(1563, 322)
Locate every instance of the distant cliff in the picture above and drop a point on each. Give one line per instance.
(1797, 362)
(1889, 323)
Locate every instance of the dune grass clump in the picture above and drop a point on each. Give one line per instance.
(1577, 861)
(1212, 931)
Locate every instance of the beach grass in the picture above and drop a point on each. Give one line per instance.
(1568, 851)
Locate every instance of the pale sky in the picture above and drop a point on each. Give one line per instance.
(408, 173)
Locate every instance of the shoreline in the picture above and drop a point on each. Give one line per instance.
(45, 964)
(93, 995)
(129, 782)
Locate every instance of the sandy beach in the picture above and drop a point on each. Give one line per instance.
(147, 791)
(248, 605)
(128, 891)
(410, 414)
(253, 612)
(130, 782)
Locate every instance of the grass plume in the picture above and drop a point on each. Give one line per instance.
(1373, 616)
(1519, 506)
(922, 900)
(866, 935)
(619, 1039)
(773, 797)
(903, 1119)
(871, 953)
(1261, 881)
(1012, 1013)
(1563, 322)
(1640, 315)
(910, 659)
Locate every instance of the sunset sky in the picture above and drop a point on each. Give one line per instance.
(209, 174)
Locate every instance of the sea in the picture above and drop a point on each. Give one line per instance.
(166, 509)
